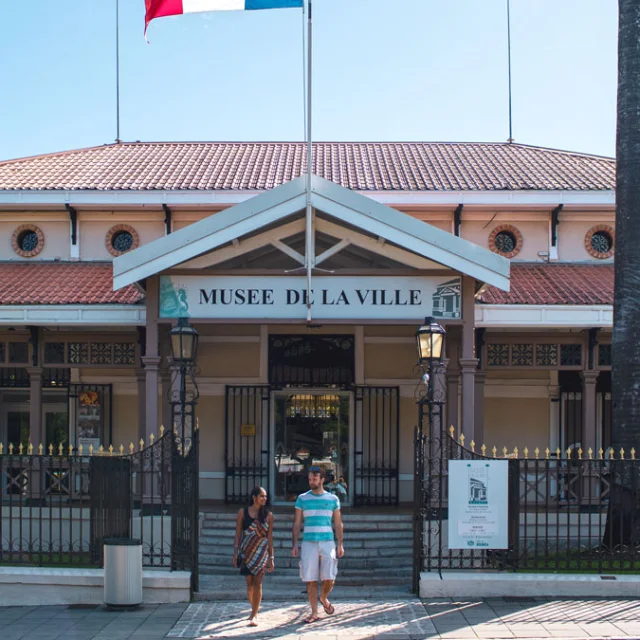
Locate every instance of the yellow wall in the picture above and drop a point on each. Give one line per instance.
(516, 422)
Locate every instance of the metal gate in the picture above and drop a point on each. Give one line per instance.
(247, 436)
(376, 445)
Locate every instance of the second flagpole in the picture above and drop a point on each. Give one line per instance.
(310, 244)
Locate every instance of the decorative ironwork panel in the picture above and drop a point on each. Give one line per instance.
(547, 355)
(522, 355)
(54, 352)
(376, 453)
(18, 352)
(14, 377)
(78, 353)
(498, 355)
(101, 353)
(604, 355)
(124, 353)
(570, 355)
(247, 440)
(311, 361)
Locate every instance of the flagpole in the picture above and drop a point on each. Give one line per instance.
(310, 244)
(118, 140)
(509, 61)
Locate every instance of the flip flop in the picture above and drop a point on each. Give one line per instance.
(330, 610)
(311, 619)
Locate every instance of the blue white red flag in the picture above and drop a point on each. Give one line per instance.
(161, 8)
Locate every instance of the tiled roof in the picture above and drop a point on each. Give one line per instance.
(555, 284)
(366, 166)
(62, 283)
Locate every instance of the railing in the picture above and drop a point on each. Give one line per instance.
(57, 506)
(569, 511)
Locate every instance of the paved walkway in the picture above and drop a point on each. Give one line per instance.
(354, 619)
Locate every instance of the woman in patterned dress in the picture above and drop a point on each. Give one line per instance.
(253, 547)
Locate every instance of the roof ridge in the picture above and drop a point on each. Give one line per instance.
(53, 154)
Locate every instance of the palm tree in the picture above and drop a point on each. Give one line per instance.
(626, 323)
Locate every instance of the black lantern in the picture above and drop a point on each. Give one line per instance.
(184, 342)
(430, 338)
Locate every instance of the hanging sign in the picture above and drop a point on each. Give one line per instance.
(478, 506)
(332, 298)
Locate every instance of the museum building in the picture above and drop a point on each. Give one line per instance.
(509, 247)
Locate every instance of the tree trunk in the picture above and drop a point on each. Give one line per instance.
(622, 523)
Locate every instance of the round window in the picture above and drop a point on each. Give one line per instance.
(120, 239)
(505, 240)
(599, 241)
(27, 240)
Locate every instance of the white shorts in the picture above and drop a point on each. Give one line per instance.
(318, 561)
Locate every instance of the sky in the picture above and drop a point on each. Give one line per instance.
(384, 70)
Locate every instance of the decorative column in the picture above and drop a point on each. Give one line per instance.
(468, 361)
(481, 376)
(453, 383)
(141, 381)
(589, 411)
(36, 428)
(554, 411)
(151, 359)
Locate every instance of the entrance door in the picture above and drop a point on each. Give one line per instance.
(14, 425)
(311, 428)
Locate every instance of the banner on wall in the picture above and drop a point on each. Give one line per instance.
(332, 298)
(478, 504)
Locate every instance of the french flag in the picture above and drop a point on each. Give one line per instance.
(161, 8)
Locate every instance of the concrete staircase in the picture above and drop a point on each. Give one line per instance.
(377, 561)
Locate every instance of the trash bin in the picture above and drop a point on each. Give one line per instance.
(122, 573)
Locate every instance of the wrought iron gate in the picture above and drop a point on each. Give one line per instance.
(247, 439)
(376, 445)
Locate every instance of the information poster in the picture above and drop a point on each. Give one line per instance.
(478, 504)
(90, 416)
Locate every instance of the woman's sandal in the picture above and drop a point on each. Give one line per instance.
(253, 622)
(329, 610)
(311, 619)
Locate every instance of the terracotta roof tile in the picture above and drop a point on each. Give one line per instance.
(555, 284)
(62, 283)
(377, 166)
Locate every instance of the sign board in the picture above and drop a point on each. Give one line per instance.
(332, 297)
(478, 505)
(247, 430)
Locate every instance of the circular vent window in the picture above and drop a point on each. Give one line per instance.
(505, 240)
(120, 239)
(27, 240)
(599, 242)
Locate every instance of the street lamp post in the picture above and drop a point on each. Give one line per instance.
(183, 396)
(430, 342)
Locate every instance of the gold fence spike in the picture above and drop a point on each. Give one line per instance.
(20, 448)
(40, 449)
(558, 453)
(494, 451)
(60, 449)
(1, 448)
(525, 451)
(462, 439)
(621, 453)
(504, 451)
(10, 449)
(580, 453)
(30, 449)
(131, 448)
(101, 450)
(601, 453)
(90, 449)
(590, 453)
(121, 450)
(70, 450)
(516, 453)
(452, 431)
(537, 452)
(547, 453)
(612, 453)
(80, 448)
(633, 453)
(197, 424)
(110, 449)
(473, 445)
(483, 448)
(50, 449)
(569, 451)
(141, 444)
(161, 430)
(151, 439)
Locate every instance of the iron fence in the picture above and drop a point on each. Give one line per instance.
(57, 506)
(570, 511)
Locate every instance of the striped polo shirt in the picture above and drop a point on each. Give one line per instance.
(317, 510)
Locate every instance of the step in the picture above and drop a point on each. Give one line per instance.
(212, 536)
(291, 580)
(289, 571)
(288, 515)
(216, 554)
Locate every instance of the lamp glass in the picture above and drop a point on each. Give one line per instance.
(430, 341)
(184, 342)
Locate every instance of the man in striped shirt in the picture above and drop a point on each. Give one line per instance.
(319, 553)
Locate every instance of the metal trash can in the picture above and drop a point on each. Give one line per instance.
(122, 573)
